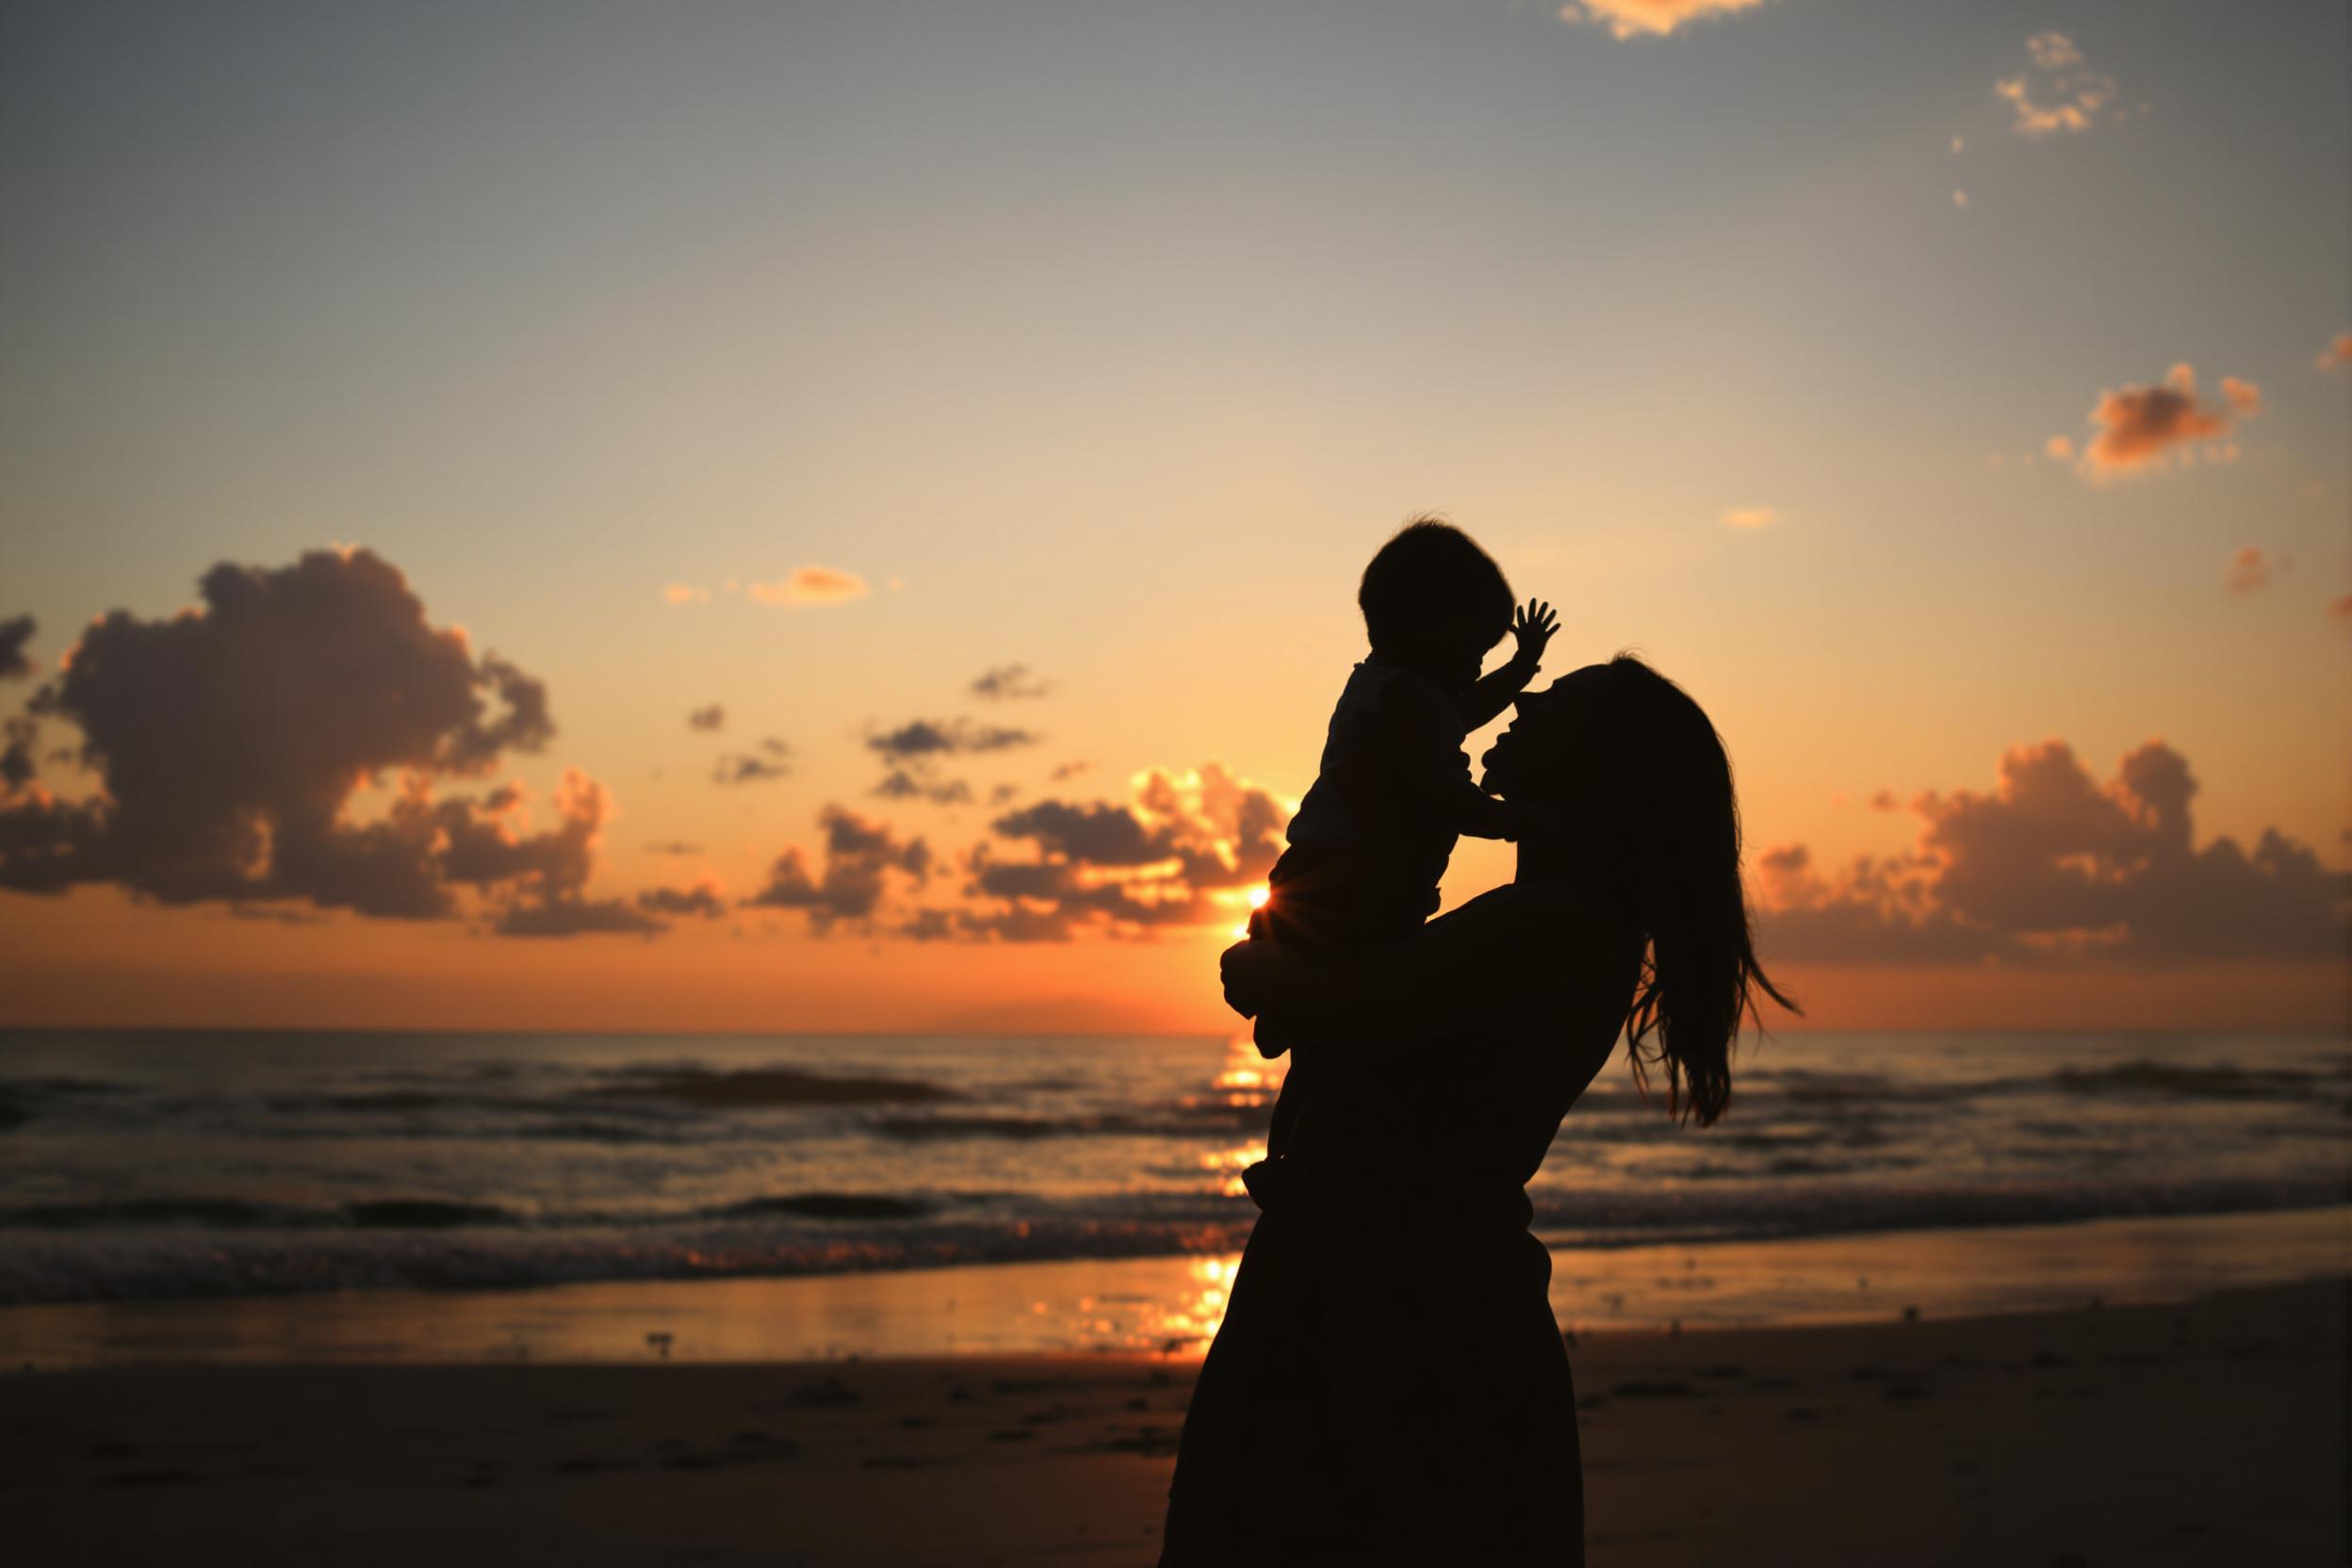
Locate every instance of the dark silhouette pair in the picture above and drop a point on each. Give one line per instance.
(1388, 1383)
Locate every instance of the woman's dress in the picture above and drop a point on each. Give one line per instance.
(1389, 1383)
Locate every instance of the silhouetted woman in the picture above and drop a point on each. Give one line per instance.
(1389, 1384)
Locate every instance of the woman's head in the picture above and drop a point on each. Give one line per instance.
(1633, 782)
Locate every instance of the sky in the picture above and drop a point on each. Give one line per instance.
(846, 516)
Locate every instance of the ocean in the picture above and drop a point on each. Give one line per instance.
(148, 1166)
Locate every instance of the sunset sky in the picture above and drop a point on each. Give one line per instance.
(860, 444)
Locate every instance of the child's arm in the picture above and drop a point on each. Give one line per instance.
(1491, 693)
(1428, 756)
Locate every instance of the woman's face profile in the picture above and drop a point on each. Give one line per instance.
(1542, 735)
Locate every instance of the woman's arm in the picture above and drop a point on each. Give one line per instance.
(1481, 953)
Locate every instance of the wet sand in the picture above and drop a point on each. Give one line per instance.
(2213, 1431)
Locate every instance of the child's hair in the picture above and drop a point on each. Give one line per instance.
(1431, 590)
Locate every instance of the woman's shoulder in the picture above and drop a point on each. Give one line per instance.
(1537, 927)
(1564, 906)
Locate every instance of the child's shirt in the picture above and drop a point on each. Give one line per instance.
(1371, 840)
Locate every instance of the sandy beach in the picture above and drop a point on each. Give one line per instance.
(2192, 1433)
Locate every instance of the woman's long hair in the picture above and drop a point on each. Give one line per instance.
(1665, 829)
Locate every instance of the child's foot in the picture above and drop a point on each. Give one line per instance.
(1275, 1034)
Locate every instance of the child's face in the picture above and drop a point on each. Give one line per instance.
(1460, 664)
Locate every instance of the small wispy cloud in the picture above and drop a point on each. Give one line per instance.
(1010, 683)
(1752, 517)
(811, 585)
(2145, 427)
(772, 760)
(684, 593)
(2252, 569)
(2057, 92)
(1649, 18)
(2337, 353)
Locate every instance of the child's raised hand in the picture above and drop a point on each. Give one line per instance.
(1533, 625)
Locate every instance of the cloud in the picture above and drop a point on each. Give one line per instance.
(1009, 683)
(925, 739)
(1627, 19)
(577, 917)
(2050, 864)
(772, 759)
(1062, 772)
(1884, 801)
(2058, 93)
(2337, 353)
(1751, 517)
(1960, 199)
(15, 633)
(705, 899)
(675, 846)
(905, 784)
(230, 742)
(863, 858)
(2340, 610)
(17, 766)
(811, 585)
(679, 593)
(713, 718)
(2251, 569)
(1178, 852)
(2059, 448)
(2147, 426)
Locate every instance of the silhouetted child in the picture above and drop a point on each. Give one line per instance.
(1372, 838)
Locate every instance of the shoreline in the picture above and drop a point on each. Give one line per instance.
(1169, 1306)
(2182, 1433)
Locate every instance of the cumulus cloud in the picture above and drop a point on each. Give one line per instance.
(15, 635)
(2337, 353)
(711, 718)
(229, 742)
(811, 585)
(2252, 569)
(770, 759)
(1627, 19)
(2059, 448)
(681, 593)
(17, 766)
(2057, 92)
(705, 899)
(1178, 852)
(1751, 517)
(2053, 863)
(864, 863)
(1009, 683)
(2140, 427)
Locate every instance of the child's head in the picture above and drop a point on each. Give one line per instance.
(1434, 602)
